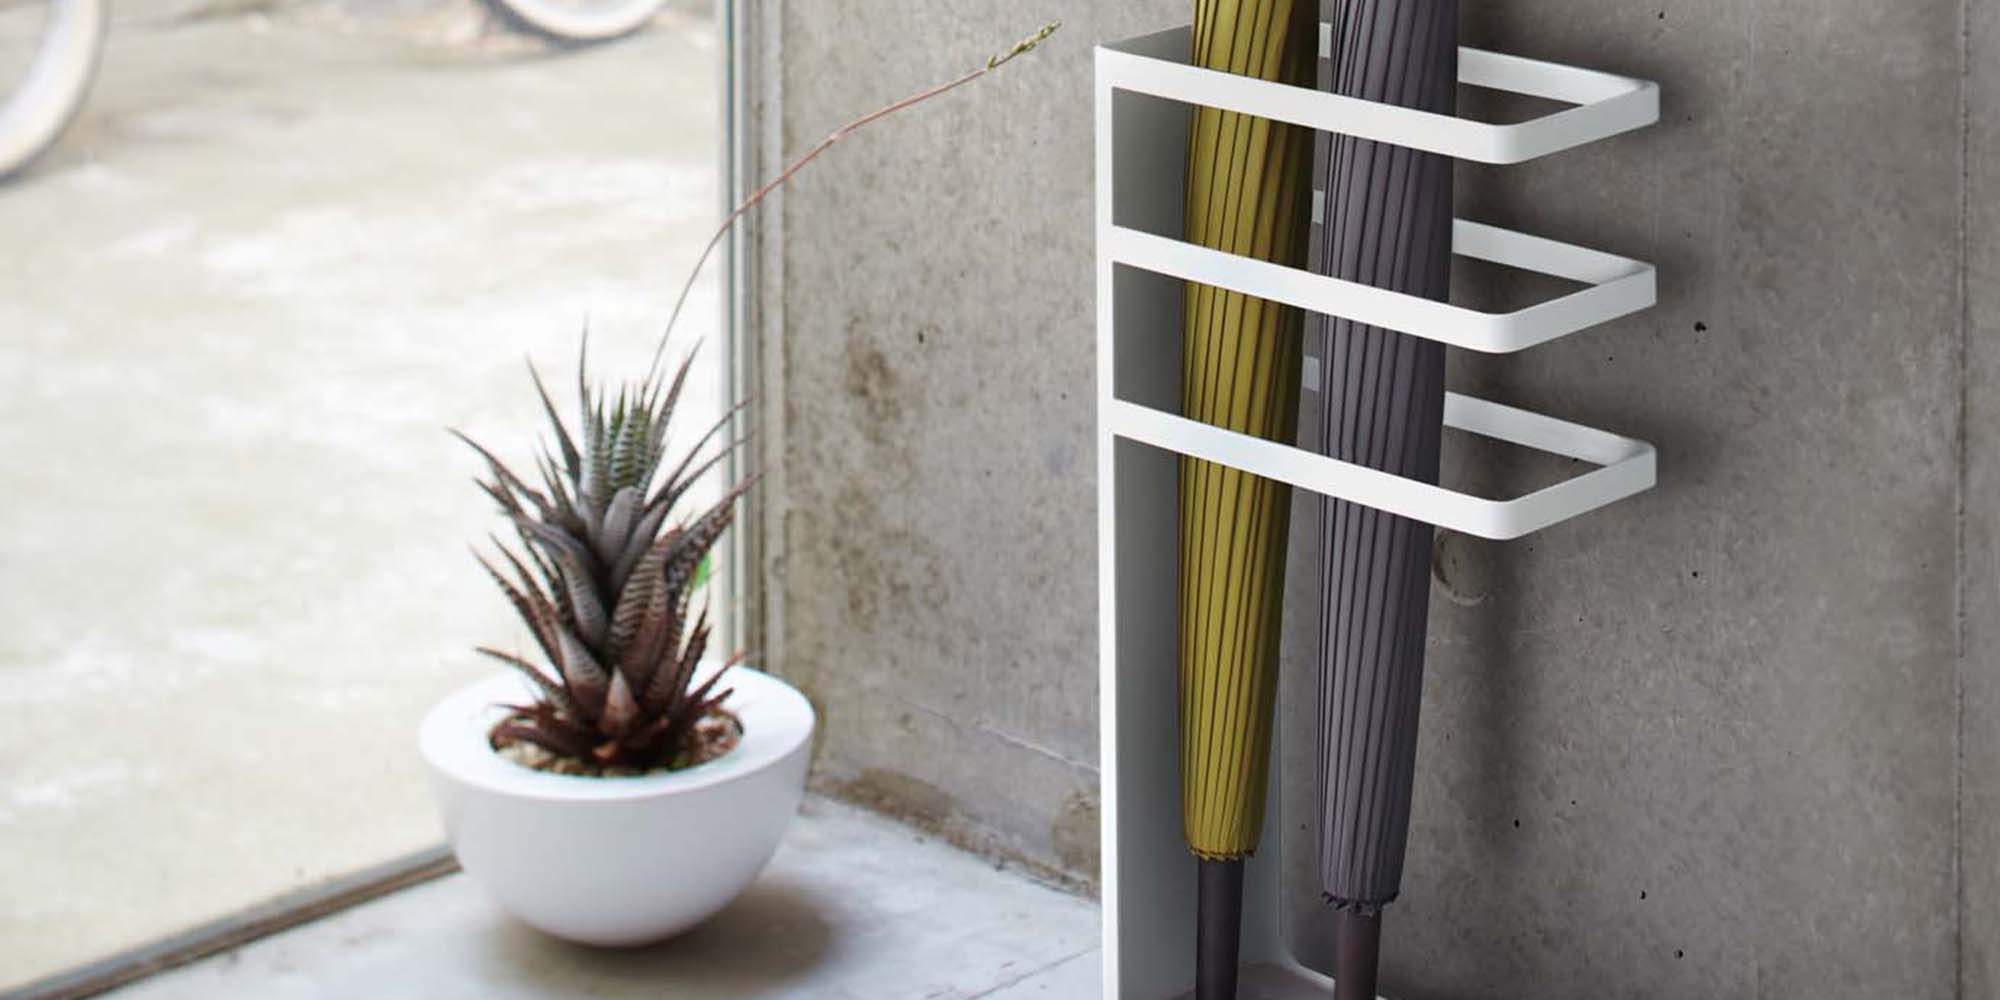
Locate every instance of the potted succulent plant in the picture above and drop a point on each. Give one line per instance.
(623, 792)
(618, 790)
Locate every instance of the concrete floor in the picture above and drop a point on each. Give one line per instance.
(277, 255)
(852, 906)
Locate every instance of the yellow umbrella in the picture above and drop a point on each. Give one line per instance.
(1247, 193)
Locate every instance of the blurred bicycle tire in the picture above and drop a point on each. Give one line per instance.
(34, 112)
(579, 21)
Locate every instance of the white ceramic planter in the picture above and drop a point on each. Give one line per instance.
(618, 861)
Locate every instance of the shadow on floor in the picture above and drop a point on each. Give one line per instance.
(775, 935)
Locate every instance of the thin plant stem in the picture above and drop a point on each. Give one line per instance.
(1025, 46)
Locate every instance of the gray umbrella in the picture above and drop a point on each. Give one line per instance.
(1387, 223)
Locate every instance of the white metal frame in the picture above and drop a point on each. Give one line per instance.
(1143, 88)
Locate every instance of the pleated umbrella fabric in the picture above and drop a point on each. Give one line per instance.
(1387, 224)
(1247, 193)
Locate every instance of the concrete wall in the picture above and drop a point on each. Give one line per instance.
(929, 536)
(1979, 551)
(1734, 738)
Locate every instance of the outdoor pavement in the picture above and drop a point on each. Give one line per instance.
(281, 251)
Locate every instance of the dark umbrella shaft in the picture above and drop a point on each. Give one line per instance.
(1387, 223)
(1219, 928)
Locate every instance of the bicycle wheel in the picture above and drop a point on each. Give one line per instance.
(579, 20)
(48, 54)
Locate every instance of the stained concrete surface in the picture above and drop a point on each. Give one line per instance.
(853, 906)
(282, 249)
(1979, 661)
(930, 556)
(1707, 742)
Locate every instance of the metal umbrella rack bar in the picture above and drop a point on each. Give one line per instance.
(1144, 89)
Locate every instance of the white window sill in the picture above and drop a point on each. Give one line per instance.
(852, 906)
